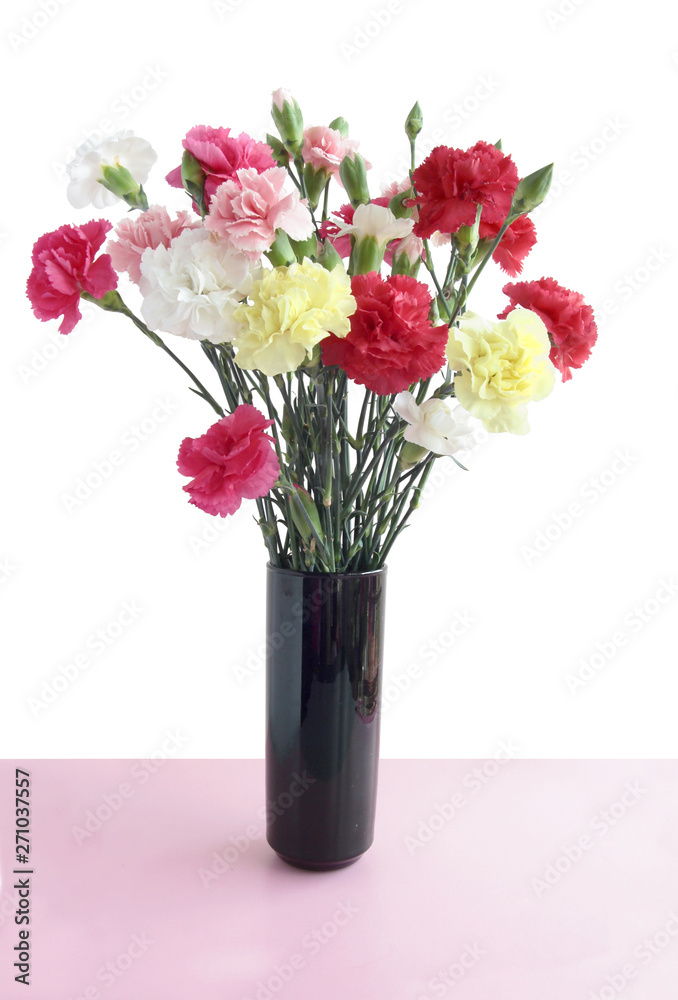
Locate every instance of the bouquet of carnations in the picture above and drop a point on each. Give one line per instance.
(336, 362)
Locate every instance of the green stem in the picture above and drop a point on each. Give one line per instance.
(159, 342)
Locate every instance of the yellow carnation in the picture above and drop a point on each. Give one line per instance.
(501, 366)
(292, 309)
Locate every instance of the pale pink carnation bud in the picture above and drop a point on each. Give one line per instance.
(324, 148)
(280, 96)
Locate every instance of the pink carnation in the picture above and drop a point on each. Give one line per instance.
(247, 211)
(152, 228)
(64, 266)
(232, 461)
(568, 319)
(221, 155)
(324, 148)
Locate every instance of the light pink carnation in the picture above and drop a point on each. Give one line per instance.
(324, 148)
(246, 212)
(152, 228)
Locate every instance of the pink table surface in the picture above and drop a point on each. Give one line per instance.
(529, 880)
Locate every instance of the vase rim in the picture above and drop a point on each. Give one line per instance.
(314, 573)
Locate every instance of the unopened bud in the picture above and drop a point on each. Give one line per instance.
(414, 122)
(353, 175)
(328, 256)
(341, 126)
(531, 191)
(289, 120)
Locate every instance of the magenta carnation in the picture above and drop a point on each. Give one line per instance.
(232, 461)
(64, 266)
(221, 155)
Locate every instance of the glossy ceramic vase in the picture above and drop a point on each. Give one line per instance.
(325, 637)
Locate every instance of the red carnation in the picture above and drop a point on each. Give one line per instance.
(568, 319)
(232, 461)
(64, 267)
(515, 244)
(451, 183)
(220, 155)
(391, 343)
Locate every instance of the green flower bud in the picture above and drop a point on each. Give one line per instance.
(305, 248)
(280, 154)
(281, 253)
(193, 179)
(315, 181)
(119, 180)
(414, 122)
(341, 126)
(354, 178)
(289, 121)
(397, 206)
(531, 191)
(328, 256)
(410, 455)
(366, 255)
(403, 265)
(301, 503)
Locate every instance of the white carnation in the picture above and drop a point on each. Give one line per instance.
(123, 149)
(434, 425)
(378, 222)
(192, 287)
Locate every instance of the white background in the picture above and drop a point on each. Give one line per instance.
(592, 87)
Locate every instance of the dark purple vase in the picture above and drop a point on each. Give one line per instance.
(325, 638)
